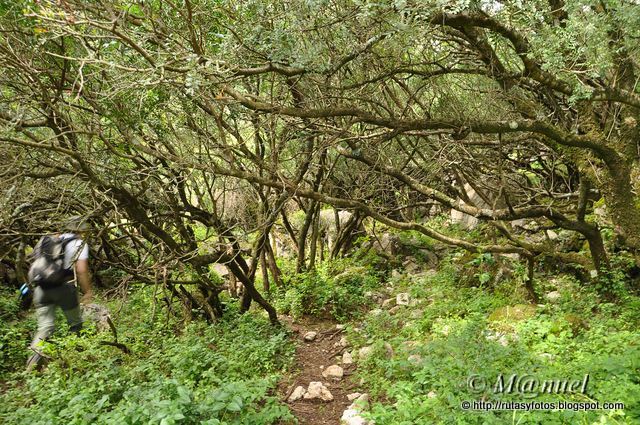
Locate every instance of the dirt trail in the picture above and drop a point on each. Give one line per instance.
(311, 359)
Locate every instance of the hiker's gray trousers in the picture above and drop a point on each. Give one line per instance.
(46, 300)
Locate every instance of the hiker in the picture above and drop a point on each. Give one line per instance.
(60, 263)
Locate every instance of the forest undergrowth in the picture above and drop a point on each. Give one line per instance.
(434, 338)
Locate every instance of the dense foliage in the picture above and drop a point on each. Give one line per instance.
(457, 334)
(175, 373)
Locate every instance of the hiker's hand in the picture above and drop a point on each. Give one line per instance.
(86, 298)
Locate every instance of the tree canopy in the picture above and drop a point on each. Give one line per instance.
(159, 118)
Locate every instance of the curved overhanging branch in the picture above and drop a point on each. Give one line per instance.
(506, 214)
(284, 185)
(556, 134)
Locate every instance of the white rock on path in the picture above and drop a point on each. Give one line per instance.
(353, 396)
(297, 394)
(318, 390)
(310, 336)
(362, 400)
(351, 416)
(333, 372)
(347, 358)
(344, 342)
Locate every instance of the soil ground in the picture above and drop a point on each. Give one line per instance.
(311, 359)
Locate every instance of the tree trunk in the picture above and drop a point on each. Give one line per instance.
(21, 262)
(315, 233)
(265, 271)
(273, 266)
(528, 283)
(302, 237)
(252, 293)
(623, 205)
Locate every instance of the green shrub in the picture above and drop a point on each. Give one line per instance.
(452, 339)
(214, 374)
(335, 289)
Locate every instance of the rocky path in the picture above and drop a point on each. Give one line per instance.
(317, 390)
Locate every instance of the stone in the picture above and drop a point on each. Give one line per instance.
(388, 350)
(347, 358)
(402, 298)
(395, 274)
(374, 296)
(547, 356)
(388, 303)
(98, 314)
(349, 274)
(432, 394)
(365, 352)
(417, 314)
(352, 417)
(353, 396)
(362, 399)
(493, 335)
(343, 342)
(333, 372)
(389, 244)
(395, 309)
(318, 390)
(297, 394)
(414, 359)
(376, 312)
(553, 296)
(410, 266)
(310, 336)
(340, 327)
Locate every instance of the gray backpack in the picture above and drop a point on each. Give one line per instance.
(47, 269)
